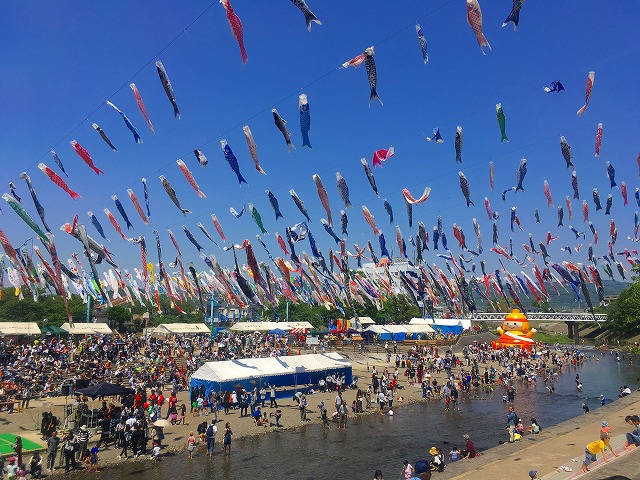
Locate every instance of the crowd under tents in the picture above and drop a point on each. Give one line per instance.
(87, 328)
(105, 389)
(444, 325)
(289, 371)
(181, 328)
(53, 330)
(267, 326)
(19, 328)
(362, 321)
(399, 332)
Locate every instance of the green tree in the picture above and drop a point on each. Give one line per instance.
(47, 306)
(119, 315)
(624, 312)
(397, 309)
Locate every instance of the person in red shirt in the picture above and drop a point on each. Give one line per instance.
(173, 402)
(470, 448)
(160, 403)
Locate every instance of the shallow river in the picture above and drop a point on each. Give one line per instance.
(376, 441)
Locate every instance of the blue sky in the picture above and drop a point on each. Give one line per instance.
(63, 60)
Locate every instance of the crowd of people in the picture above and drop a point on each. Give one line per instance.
(464, 376)
(42, 367)
(149, 366)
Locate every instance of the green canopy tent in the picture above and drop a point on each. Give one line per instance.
(53, 330)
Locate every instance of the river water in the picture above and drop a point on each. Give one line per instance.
(376, 441)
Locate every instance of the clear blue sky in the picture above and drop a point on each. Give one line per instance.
(63, 60)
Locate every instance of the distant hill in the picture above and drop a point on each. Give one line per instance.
(567, 302)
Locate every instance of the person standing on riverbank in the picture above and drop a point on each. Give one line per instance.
(70, 448)
(52, 449)
(512, 419)
(343, 413)
(191, 444)
(303, 408)
(83, 439)
(211, 437)
(339, 401)
(227, 439)
(272, 397)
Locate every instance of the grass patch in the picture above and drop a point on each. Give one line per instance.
(552, 338)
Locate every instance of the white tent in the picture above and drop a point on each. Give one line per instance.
(87, 328)
(278, 371)
(363, 320)
(420, 321)
(377, 329)
(182, 328)
(295, 325)
(19, 328)
(258, 326)
(419, 329)
(266, 326)
(453, 322)
(394, 329)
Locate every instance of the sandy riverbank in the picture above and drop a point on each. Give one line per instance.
(554, 447)
(27, 422)
(494, 460)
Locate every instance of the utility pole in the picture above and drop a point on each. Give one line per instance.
(88, 309)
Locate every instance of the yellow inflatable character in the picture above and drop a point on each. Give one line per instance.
(515, 331)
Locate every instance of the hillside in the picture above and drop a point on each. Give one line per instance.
(566, 301)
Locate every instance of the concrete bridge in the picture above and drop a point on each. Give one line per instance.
(571, 319)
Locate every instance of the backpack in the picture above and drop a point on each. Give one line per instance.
(210, 433)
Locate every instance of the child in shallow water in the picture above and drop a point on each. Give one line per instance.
(454, 454)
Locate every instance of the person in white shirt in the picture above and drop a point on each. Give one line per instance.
(382, 400)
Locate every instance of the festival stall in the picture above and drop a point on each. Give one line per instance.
(279, 371)
(399, 332)
(87, 328)
(419, 329)
(361, 323)
(420, 321)
(19, 328)
(181, 329)
(450, 325)
(266, 326)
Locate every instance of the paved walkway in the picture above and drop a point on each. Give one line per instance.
(617, 443)
(557, 446)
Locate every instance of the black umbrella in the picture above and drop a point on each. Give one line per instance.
(105, 390)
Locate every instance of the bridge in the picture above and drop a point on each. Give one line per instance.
(570, 318)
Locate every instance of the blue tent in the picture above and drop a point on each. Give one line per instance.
(284, 372)
(445, 329)
(278, 331)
